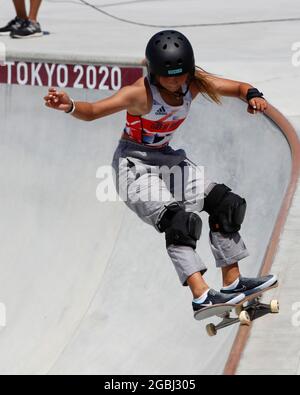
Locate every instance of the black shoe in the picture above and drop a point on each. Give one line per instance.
(214, 297)
(13, 24)
(251, 285)
(28, 29)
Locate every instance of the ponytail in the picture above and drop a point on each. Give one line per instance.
(201, 78)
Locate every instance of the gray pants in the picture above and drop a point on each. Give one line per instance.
(145, 185)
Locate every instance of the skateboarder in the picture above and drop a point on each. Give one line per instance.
(156, 106)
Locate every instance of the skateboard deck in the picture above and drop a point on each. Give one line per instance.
(246, 311)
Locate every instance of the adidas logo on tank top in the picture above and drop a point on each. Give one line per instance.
(161, 111)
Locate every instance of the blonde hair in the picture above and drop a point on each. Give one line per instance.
(206, 88)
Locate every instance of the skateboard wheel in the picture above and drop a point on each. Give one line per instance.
(211, 330)
(244, 318)
(274, 306)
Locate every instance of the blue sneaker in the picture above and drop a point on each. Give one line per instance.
(251, 285)
(214, 297)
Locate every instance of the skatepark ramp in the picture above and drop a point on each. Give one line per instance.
(88, 287)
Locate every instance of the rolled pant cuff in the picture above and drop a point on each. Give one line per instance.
(184, 278)
(186, 262)
(230, 261)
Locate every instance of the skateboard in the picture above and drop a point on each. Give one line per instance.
(246, 311)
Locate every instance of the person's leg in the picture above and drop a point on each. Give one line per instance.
(30, 27)
(197, 285)
(18, 20)
(196, 188)
(188, 264)
(20, 9)
(186, 260)
(227, 249)
(230, 274)
(181, 252)
(147, 194)
(227, 245)
(226, 213)
(34, 9)
(186, 185)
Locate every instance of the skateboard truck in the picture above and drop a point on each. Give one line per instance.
(246, 311)
(244, 315)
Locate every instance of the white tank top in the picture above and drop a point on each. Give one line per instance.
(157, 128)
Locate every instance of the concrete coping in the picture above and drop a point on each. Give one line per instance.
(72, 58)
(290, 134)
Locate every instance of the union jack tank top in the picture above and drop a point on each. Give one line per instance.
(157, 128)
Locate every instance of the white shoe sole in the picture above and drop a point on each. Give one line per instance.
(237, 299)
(29, 36)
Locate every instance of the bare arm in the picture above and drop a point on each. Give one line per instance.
(239, 89)
(226, 87)
(126, 98)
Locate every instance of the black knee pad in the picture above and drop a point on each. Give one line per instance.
(180, 227)
(226, 209)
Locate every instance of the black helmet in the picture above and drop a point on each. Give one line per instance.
(169, 53)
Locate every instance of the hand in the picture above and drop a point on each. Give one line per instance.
(57, 100)
(257, 104)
